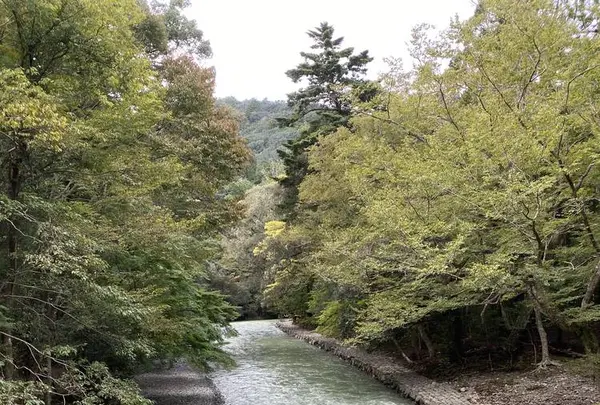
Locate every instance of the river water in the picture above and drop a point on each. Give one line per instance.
(275, 369)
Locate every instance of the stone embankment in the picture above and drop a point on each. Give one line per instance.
(180, 385)
(386, 369)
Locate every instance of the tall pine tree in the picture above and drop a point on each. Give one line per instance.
(334, 76)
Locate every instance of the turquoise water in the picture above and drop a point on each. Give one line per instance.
(274, 369)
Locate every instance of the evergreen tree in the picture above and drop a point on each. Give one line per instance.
(334, 75)
(471, 201)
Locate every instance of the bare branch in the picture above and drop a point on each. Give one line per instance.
(585, 174)
(532, 77)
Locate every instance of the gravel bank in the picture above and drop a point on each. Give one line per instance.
(555, 386)
(181, 385)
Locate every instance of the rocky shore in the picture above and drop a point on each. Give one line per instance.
(422, 390)
(180, 385)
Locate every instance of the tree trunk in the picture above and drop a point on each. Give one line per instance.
(14, 186)
(589, 340)
(539, 323)
(48, 400)
(457, 337)
(543, 335)
(588, 298)
(9, 368)
(399, 348)
(427, 341)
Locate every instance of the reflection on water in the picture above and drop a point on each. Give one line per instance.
(274, 369)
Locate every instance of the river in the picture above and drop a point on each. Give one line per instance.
(275, 369)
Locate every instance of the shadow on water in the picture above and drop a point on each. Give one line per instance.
(273, 369)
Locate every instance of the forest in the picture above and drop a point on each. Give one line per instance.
(113, 154)
(448, 212)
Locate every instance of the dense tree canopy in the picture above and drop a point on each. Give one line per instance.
(472, 200)
(260, 128)
(112, 159)
(450, 211)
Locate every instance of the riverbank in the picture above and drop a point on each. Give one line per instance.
(180, 385)
(554, 386)
(420, 389)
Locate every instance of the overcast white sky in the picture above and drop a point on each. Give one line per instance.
(255, 41)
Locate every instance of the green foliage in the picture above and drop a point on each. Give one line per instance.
(290, 292)
(336, 319)
(26, 392)
(332, 74)
(165, 29)
(258, 125)
(240, 273)
(102, 388)
(475, 189)
(588, 366)
(112, 162)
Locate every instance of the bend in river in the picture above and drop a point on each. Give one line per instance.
(273, 368)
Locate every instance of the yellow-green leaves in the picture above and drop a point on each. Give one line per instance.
(478, 179)
(27, 113)
(274, 228)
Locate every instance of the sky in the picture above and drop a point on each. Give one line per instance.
(255, 42)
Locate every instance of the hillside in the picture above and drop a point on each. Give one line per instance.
(259, 127)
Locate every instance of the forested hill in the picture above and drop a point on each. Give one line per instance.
(259, 126)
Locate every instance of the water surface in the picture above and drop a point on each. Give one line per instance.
(275, 369)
